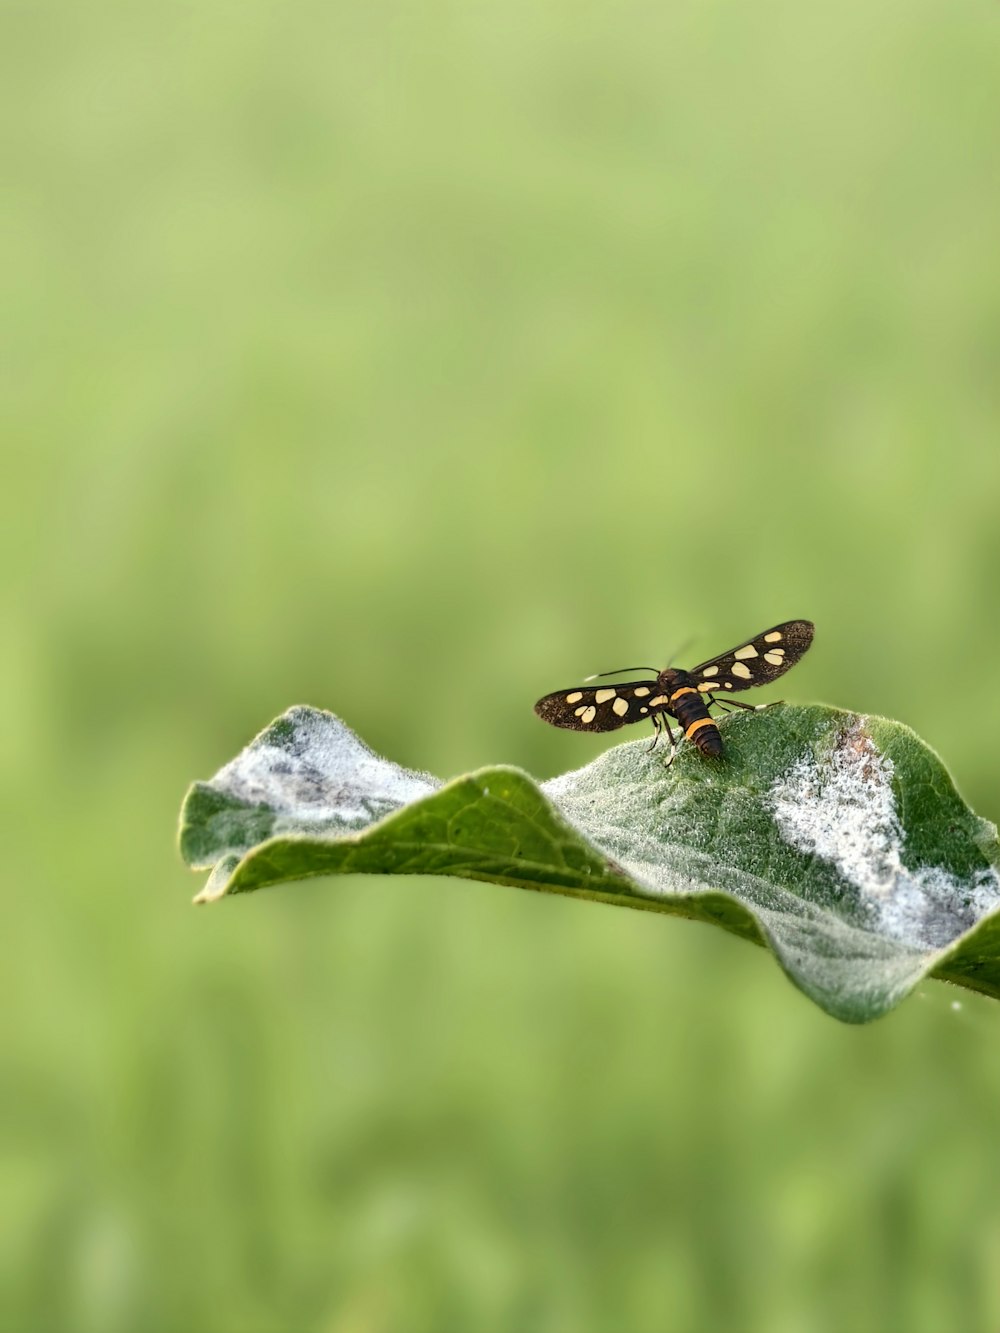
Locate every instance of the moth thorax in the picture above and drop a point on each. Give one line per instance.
(672, 679)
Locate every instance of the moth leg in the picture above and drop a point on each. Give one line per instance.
(727, 705)
(655, 719)
(750, 708)
(673, 743)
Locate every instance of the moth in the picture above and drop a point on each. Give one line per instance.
(685, 696)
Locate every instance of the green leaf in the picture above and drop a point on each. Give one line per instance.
(836, 840)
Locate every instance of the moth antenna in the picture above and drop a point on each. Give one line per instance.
(601, 674)
(683, 649)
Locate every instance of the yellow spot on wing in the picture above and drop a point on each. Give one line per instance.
(588, 714)
(711, 671)
(748, 651)
(602, 696)
(641, 691)
(773, 637)
(620, 706)
(660, 699)
(575, 697)
(744, 672)
(776, 659)
(581, 710)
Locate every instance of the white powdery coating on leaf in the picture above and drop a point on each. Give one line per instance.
(319, 773)
(844, 812)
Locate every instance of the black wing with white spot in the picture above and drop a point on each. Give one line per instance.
(756, 662)
(604, 709)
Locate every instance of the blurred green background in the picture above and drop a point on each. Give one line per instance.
(414, 361)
